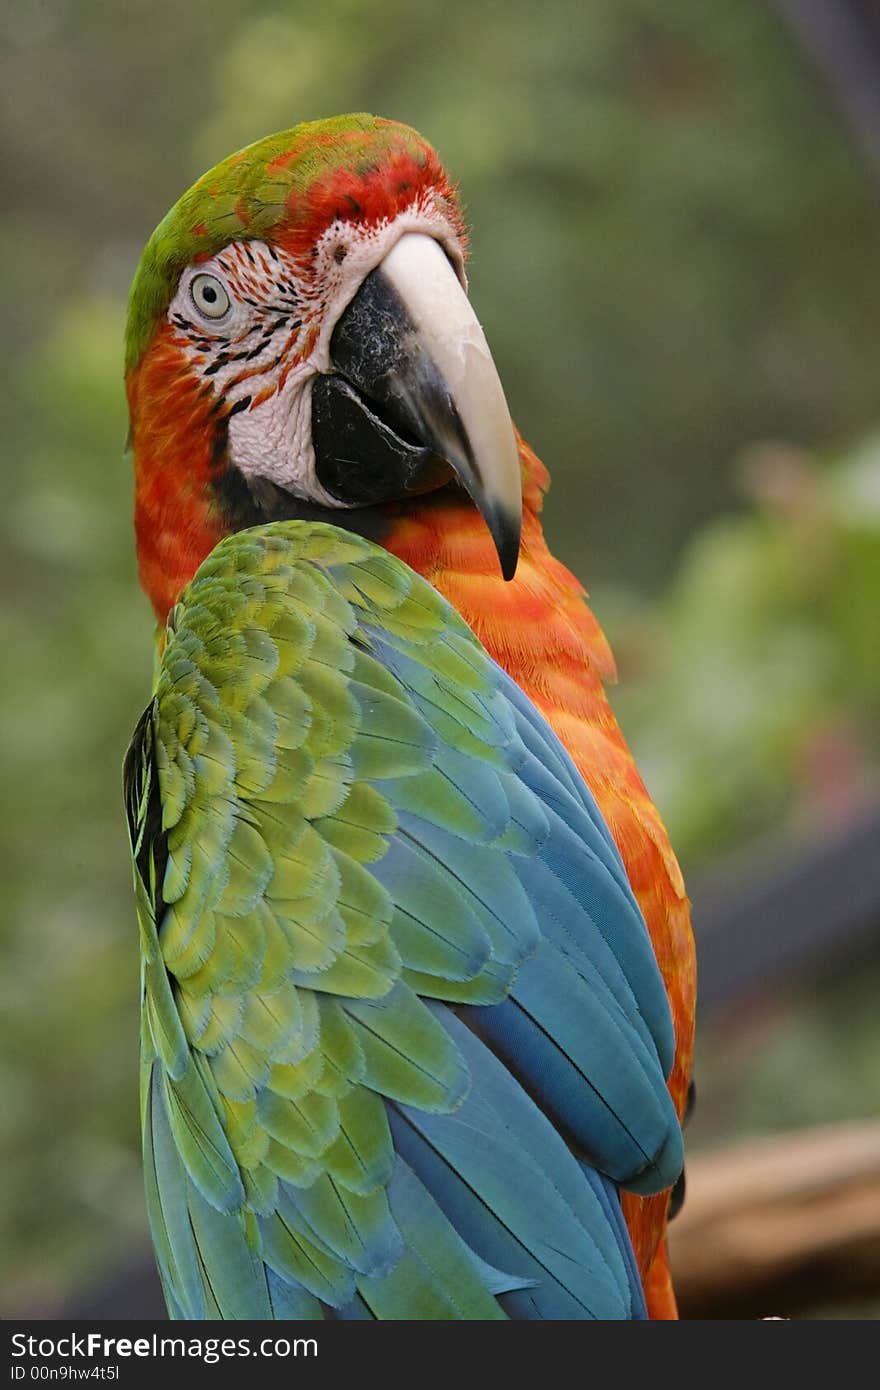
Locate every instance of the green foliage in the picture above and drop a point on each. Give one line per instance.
(751, 689)
(758, 1063)
(77, 665)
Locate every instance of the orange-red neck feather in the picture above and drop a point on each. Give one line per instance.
(175, 438)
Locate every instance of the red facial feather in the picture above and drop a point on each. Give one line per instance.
(377, 195)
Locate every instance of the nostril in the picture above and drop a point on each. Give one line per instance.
(340, 254)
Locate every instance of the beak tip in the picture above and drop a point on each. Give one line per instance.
(509, 563)
(506, 532)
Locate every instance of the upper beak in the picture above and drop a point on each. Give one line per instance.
(415, 391)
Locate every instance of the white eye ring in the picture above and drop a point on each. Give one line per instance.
(209, 296)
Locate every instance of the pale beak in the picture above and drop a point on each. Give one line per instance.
(415, 389)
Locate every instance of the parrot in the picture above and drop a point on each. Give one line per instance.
(417, 970)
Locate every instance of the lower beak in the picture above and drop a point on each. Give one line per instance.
(415, 396)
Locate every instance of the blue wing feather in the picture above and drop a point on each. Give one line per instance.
(501, 1172)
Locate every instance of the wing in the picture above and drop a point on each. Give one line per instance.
(404, 1036)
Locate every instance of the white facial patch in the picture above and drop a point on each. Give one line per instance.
(264, 352)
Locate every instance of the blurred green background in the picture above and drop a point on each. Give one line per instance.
(674, 255)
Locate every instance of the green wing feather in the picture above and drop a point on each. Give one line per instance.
(329, 821)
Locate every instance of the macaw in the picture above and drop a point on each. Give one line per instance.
(417, 968)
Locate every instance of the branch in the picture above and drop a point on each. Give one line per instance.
(778, 1225)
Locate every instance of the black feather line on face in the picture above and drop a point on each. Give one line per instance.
(221, 361)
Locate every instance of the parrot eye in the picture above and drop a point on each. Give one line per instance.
(209, 296)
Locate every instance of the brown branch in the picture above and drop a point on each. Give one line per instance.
(779, 1225)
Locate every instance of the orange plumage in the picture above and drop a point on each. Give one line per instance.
(540, 629)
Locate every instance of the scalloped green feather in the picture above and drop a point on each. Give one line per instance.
(291, 1253)
(297, 1079)
(407, 1055)
(272, 1020)
(307, 1125)
(359, 1229)
(239, 1070)
(361, 1157)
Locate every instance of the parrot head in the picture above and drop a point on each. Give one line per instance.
(300, 343)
